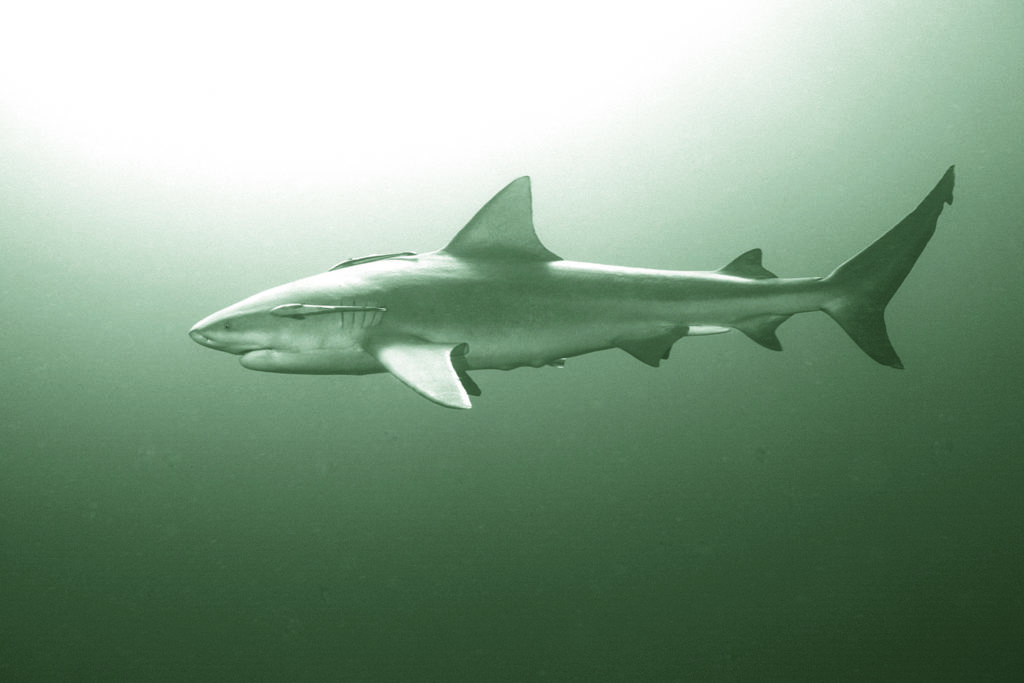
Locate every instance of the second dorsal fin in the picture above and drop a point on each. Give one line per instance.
(747, 264)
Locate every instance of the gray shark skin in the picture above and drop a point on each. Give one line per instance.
(496, 298)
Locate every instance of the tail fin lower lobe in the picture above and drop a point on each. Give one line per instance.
(864, 285)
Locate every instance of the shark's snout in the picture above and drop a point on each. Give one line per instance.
(198, 336)
(216, 332)
(200, 333)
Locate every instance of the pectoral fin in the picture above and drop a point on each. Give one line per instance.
(425, 367)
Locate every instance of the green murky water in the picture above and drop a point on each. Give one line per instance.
(735, 515)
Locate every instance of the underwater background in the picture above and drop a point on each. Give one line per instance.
(735, 515)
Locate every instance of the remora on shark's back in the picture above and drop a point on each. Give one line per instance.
(495, 297)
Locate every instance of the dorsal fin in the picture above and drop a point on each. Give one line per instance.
(503, 228)
(747, 264)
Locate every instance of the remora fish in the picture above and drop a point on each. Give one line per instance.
(495, 297)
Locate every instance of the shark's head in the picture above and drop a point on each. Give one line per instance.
(235, 331)
(293, 328)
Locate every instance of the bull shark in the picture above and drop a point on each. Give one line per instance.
(496, 298)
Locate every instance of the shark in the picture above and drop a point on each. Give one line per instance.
(496, 298)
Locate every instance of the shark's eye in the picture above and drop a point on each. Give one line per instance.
(227, 326)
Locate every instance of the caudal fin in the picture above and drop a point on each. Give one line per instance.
(864, 285)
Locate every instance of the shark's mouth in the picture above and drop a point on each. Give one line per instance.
(201, 338)
(227, 347)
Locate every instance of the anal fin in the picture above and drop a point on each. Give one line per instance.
(762, 330)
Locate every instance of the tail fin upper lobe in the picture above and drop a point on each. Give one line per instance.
(865, 284)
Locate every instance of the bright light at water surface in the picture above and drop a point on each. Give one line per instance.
(335, 89)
